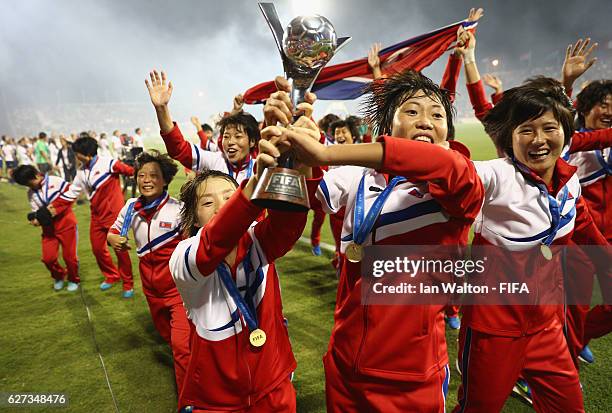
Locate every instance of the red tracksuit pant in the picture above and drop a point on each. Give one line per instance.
(491, 365)
(347, 392)
(582, 322)
(279, 400)
(170, 320)
(315, 229)
(50, 251)
(97, 236)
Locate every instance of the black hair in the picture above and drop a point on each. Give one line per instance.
(189, 197)
(136, 130)
(166, 164)
(23, 174)
(524, 103)
(593, 94)
(247, 121)
(326, 121)
(206, 127)
(385, 96)
(86, 146)
(345, 123)
(42, 135)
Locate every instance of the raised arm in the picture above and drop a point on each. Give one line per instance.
(178, 148)
(237, 104)
(160, 92)
(591, 140)
(195, 121)
(374, 60)
(494, 82)
(453, 66)
(466, 46)
(451, 74)
(451, 176)
(576, 62)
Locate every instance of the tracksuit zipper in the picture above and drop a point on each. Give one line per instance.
(365, 317)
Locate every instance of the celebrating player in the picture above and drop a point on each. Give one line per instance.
(59, 225)
(99, 177)
(241, 357)
(154, 218)
(416, 187)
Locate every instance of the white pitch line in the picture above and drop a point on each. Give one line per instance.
(324, 245)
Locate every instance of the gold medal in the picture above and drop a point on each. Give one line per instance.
(354, 252)
(123, 240)
(546, 251)
(257, 337)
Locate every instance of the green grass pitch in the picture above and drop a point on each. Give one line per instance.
(46, 343)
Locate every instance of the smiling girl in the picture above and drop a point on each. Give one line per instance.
(154, 220)
(415, 188)
(239, 137)
(241, 357)
(532, 201)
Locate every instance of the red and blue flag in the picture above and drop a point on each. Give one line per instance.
(347, 81)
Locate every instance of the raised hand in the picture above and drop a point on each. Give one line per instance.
(494, 82)
(238, 103)
(160, 91)
(475, 14)
(466, 42)
(577, 61)
(268, 153)
(373, 59)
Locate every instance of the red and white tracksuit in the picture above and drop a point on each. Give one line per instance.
(225, 371)
(63, 230)
(598, 197)
(156, 232)
(394, 358)
(207, 144)
(197, 159)
(100, 179)
(499, 342)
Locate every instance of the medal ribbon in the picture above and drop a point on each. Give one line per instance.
(248, 311)
(553, 206)
(362, 226)
(232, 169)
(132, 210)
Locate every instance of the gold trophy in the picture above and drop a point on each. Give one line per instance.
(306, 47)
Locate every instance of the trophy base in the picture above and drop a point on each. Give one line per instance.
(281, 189)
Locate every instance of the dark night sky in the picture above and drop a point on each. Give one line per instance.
(100, 51)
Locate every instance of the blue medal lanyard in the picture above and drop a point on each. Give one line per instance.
(553, 206)
(362, 226)
(130, 213)
(249, 171)
(248, 311)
